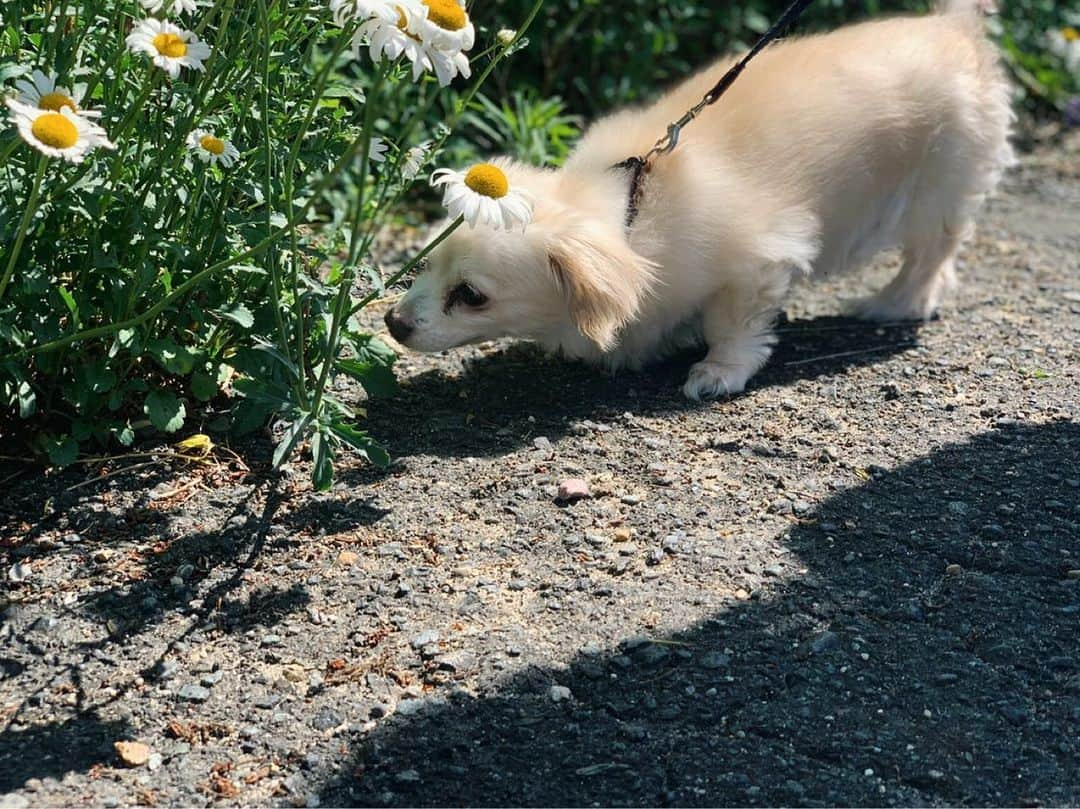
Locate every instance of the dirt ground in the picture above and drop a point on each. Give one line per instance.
(858, 583)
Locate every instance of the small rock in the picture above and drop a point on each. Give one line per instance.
(653, 653)
(573, 489)
(714, 660)
(348, 558)
(559, 693)
(194, 693)
(622, 535)
(407, 776)
(458, 661)
(425, 638)
(542, 442)
(327, 719)
(776, 571)
(212, 679)
(14, 801)
(953, 570)
(18, 572)
(655, 557)
(154, 762)
(270, 640)
(824, 642)
(133, 754)
(409, 707)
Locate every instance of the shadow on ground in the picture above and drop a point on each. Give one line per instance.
(871, 674)
(497, 391)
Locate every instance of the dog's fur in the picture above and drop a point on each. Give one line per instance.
(825, 151)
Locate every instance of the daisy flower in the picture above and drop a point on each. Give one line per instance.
(57, 133)
(377, 149)
(444, 25)
(41, 91)
(447, 65)
(389, 40)
(212, 149)
(482, 195)
(169, 46)
(174, 6)
(414, 160)
(1065, 43)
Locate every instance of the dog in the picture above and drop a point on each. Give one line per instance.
(827, 150)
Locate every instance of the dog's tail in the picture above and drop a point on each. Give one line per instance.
(971, 8)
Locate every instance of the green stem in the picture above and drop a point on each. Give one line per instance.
(393, 279)
(24, 225)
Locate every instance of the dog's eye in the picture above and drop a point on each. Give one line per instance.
(468, 295)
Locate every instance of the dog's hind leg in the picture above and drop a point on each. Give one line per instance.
(738, 328)
(917, 290)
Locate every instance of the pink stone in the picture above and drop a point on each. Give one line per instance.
(574, 489)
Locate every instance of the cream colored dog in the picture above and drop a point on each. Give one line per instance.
(827, 150)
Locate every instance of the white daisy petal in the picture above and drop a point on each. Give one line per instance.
(483, 196)
(169, 46)
(57, 133)
(209, 148)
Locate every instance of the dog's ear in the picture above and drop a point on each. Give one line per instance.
(603, 279)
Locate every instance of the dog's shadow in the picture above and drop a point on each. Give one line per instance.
(505, 399)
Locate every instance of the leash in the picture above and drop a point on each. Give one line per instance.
(640, 165)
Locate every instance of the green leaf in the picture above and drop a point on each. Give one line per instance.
(203, 386)
(361, 442)
(69, 301)
(62, 451)
(99, 377)
(322, 453)
(289, 441)
(27, 400)
(239, 314)
(378, 380)
(125, 435)
(175, 359)
(165, 411)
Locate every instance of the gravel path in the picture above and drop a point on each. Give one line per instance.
(858, 583)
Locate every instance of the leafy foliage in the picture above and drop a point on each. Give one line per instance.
(144, 282)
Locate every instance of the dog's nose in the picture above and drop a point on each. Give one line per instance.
(399, 329)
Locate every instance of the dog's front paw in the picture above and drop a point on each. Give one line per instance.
(709, 380)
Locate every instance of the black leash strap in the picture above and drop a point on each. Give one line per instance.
(639, 166)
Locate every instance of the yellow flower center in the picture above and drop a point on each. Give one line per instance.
(487, 180)
(1070, 33)
(54, 130)
(56, 101)
(446, 14)
(211, 144)
(170, 45)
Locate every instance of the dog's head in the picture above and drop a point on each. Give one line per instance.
(570, 280)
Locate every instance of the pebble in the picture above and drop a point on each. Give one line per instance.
(714, 660)
(194, 693)
(212, 679)
(409, 707)
(559, 693)
(953, 570)
(327, 719)
(459, 661)
(425, 637)
(542, 442)
(573, 489)
(348, 558)
(824, 642)
(655, 557)
(653, 653)
(133, 754)
(270, 640)
(18, 572)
